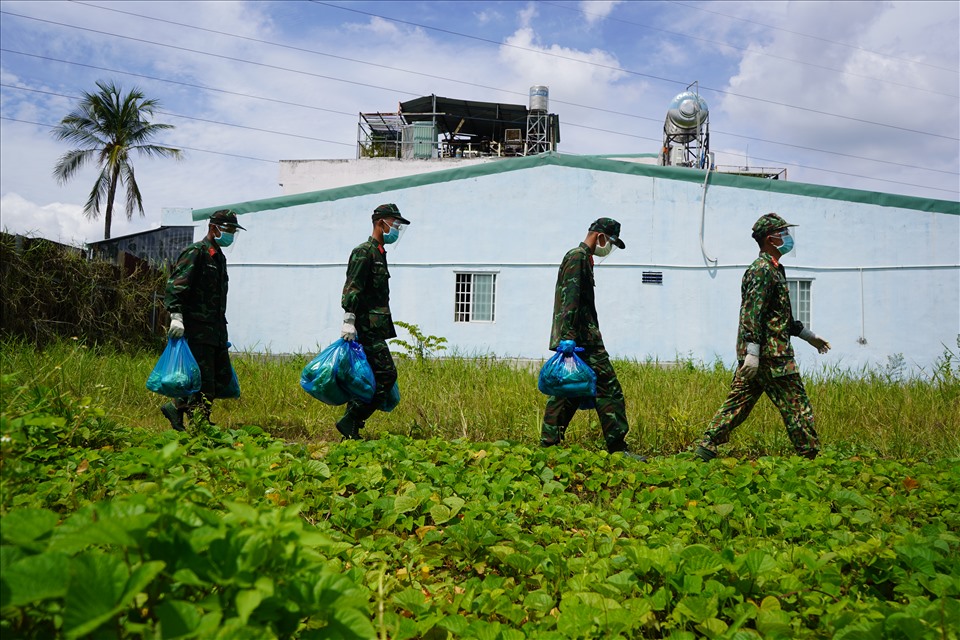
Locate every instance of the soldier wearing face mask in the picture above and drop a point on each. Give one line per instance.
(575, 324)
(197, 301)
(366, 318)
(764, 350)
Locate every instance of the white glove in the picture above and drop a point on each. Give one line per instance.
(751, 364)
(816, 341)
(176, 326)
(348, 331)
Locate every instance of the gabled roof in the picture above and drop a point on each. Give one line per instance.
(591, 163)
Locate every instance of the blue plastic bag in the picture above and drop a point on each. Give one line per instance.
(177, 374)
(392, 400)
(567, 376)
(354, 374)
(319, 377)
(233, 391)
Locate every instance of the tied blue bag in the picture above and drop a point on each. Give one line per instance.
(319, 377)
(177, 374)
(567, 376)
(339, 373)
(392, 400)
(232, 392)
(354, 374)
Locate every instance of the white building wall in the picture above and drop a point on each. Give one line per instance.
(287, 270)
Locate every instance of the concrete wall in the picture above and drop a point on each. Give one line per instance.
(886, 280)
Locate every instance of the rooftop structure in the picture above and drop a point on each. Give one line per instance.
(438, 127)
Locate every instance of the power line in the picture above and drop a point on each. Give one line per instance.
(781, 162)
(766, 54)
(807, 35)
(452, 80)
(177, 115)
(181, 83)
(213, 55)
(716, 131)
(219, 153)
(778, 162)
(635, 73)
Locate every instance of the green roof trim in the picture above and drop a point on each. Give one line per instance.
(593, 163)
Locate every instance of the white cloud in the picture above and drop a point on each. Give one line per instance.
(596, 10)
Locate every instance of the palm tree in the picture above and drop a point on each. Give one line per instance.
(107, 127)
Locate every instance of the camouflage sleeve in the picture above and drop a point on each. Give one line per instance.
(178, 286)
(753, 300)
(358, 273)
(795, 325)
(568, 297)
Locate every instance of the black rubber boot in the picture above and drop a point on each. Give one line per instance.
(704, 454)
(173, 414)
(348, 428)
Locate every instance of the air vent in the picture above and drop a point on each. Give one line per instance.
(653, 277)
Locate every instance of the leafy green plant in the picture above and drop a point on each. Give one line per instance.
(421, 345)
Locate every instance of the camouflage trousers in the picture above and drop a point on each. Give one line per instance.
(610, 405)
(384, 372)
(216, 376)
(786, 393)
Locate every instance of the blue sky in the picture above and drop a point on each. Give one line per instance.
(854, 94)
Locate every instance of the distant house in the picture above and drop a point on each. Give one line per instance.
(158, 247)
(877, 274)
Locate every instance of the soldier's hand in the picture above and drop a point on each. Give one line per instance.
(815, 341)
(176, 326)
(349, 330)
(750, 366)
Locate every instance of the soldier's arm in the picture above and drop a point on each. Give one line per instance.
(754, 296)
(568, 285)
(178, 285)
(358, 270)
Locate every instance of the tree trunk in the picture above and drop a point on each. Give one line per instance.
(108, 215)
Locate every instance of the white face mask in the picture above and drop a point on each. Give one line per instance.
(604, 250)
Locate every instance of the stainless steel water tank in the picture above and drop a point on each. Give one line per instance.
(539, 98)
(687, 110)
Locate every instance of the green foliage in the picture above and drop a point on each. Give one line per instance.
(49, 292)
(234, 534)
(422, 346)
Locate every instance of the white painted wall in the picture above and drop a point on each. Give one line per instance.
(287, 270)
(301, 176)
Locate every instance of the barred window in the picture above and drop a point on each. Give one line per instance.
(800, 300)
(475, 297)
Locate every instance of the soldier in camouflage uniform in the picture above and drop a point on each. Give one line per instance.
(197, 302)
(367, 319)
(575, 324)
(766, 363)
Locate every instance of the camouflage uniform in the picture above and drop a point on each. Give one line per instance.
(197, 288)
(366, 293)
(575, 318)
(767, 319)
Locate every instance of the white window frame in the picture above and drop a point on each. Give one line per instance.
(802, 308)
(464, 300)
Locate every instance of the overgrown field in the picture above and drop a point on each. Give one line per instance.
(449, 522)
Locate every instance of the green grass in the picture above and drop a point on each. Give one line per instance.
(486, 399)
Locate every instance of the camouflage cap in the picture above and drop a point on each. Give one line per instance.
(611, 228)
(225, 217)
(767, 224)
(388, 210)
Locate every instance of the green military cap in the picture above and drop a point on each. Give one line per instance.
(225, 217)
(769, 223)
(389, 210)
(611, 228)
